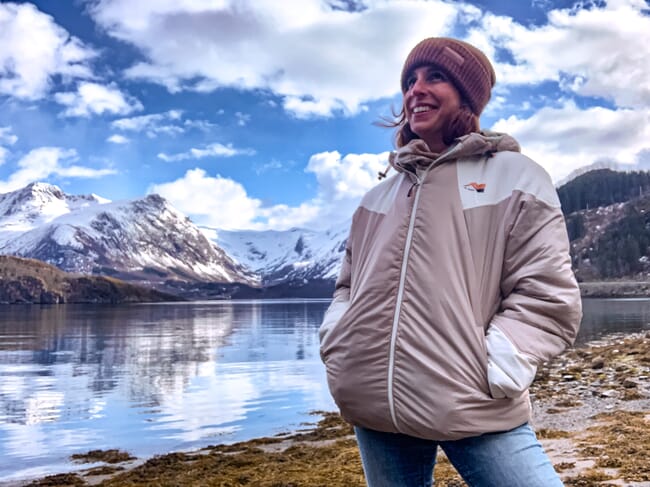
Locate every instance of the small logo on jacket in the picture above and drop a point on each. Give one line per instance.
(478, 187)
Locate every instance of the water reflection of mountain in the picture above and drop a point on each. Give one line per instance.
(273, 331)
(88, 351)
(152, 378)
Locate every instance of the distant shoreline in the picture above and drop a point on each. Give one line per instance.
(615, 289)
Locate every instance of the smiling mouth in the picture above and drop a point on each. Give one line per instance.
(421, 109)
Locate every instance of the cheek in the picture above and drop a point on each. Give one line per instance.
(452, 96)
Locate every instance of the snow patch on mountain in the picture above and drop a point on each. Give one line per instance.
(295, 254)
(39, 203)
(142, 239)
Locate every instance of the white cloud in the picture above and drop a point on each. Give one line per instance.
(223, 203)
(307, 107)
(118, 139)
(154, 124)
(202, 125)
(95, 99)
(318, 59)
(342, 181)
(3, 155)
(34, 49)
(348, 177)
(242, 118)
(326, 60)
(6, 138)
(272, 165)
(45, 162)
(566, 138)
(212, 201)
(283, 217)
(211, 150)
(560, 139)
(599, 51)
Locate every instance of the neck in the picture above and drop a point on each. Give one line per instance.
(436, 145)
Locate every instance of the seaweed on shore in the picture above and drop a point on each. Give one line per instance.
(625, 440)
(325, 456)
(59, 480)
(107, 456)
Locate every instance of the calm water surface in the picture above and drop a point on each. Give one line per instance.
(161, 377)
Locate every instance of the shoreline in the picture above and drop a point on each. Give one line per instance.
(614, 289)
(591, 411)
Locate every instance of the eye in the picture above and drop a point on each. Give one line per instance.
(410, 81)
(435, 76)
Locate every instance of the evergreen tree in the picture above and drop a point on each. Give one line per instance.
(602, 187)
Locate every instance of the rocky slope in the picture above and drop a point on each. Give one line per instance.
(33, 281)
(611, 242)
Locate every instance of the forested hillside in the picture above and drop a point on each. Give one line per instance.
(602, 187)
(608, 221)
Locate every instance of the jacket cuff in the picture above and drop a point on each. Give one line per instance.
(509, 371)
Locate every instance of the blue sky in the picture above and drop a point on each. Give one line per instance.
(259, 114)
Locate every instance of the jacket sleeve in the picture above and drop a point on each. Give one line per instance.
(341, 301)
(540, 312)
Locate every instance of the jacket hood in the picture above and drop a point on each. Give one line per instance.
(416, 154)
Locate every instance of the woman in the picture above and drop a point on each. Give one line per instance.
(456, 285)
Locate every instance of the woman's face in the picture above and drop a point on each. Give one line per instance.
(430, 103)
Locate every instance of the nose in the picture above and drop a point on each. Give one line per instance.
(418, 85)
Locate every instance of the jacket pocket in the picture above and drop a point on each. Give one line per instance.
(509, 371)
(332, 318)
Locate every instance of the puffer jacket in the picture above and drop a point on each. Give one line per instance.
(455, 286)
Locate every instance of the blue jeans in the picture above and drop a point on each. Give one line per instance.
(506, 459)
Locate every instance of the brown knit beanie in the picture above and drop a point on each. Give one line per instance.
(466, 66)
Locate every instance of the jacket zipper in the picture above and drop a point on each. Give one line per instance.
(398, 305)
(402, 281)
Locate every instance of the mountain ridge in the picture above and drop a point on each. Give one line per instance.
(148, 241)
(145, 239)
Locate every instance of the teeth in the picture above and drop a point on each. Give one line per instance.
(421, 109)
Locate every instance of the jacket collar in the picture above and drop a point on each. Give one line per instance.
(417, 155)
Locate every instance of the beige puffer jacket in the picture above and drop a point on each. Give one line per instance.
(455, 286)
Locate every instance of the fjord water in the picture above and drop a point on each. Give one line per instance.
(155, 378)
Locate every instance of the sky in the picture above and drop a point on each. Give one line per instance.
(259, 114)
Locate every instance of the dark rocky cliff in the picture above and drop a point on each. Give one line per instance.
(32, 281)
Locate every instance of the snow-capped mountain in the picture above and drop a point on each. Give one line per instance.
(36, 204)
(148, 240)
(295, 255)
(143, 239)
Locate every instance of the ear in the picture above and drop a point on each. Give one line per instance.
(465, 122)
